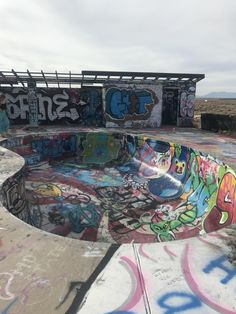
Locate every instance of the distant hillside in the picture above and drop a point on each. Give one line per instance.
(220, 95)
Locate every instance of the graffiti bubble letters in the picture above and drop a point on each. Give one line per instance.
(61, 102)
(187, 102)
(17, 106)
(51, 108)
(54, 105)
(122, 102)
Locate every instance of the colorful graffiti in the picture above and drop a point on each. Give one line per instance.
(55, 106)
(121, 105)
(122, 102)
(120, 188)
(184, 281)
(55, 147)
(100, 148)
(127, 105)
(128, 188)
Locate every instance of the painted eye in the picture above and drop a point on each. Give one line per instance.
(176, 162)
(183, 164)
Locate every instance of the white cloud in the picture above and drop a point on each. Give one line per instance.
(195, 36)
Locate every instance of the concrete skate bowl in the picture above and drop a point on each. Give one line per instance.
(118, 188)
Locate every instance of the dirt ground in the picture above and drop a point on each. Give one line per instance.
(213, 105)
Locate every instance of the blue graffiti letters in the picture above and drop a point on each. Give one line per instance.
(221, 262)
(120, 102)
(186, 302)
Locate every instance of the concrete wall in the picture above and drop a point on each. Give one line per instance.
(123, 105)
(216, 122)
(129, 105)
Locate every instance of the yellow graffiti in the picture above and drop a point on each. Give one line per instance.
(48, 190)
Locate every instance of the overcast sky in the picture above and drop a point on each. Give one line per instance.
(190, 36)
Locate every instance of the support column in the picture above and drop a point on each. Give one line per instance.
(33, 105)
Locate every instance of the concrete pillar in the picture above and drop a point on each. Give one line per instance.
(33, 104)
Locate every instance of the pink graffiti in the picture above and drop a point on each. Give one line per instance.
(208, 169)
(138, 293)
(206, 241)
(169, 252)
(144, 254)
(195, 287)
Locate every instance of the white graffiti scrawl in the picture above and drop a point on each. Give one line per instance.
(187, 101)
(56, 105)
(49, 108)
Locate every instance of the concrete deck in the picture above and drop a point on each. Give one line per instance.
(45, 273)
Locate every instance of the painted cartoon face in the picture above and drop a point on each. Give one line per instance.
(179, 166)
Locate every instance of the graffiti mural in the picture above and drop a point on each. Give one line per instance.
(121, 105)
(222, 214)
(120, 188)
(133, 105)
(123, 102)
(55, 106)
(63, 145)
(187, 103)
(100, 148)
(129, 189)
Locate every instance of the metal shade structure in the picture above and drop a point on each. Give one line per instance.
(57, 79)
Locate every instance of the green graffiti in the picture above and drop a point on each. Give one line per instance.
(177, 150)
(100, 148)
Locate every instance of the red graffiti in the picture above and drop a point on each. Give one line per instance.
(224, 213)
